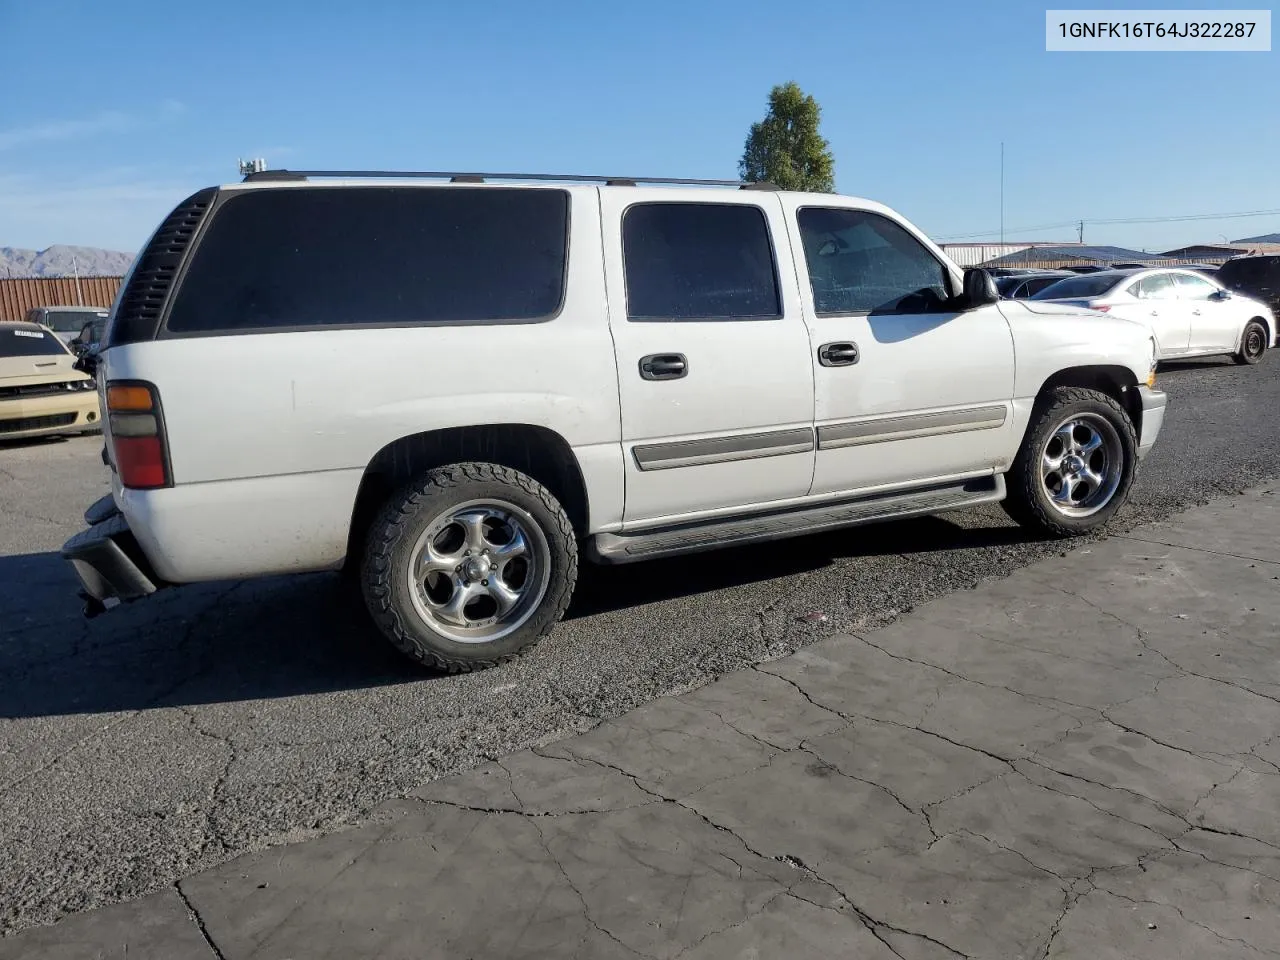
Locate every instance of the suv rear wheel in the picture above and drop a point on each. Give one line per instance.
(1076, 465)
(469, 566)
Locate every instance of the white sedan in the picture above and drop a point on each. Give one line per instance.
(1189, 314)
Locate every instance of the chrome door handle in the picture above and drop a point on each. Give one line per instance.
(1195, 313)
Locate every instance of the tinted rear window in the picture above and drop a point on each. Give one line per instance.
(1250, 270)
(1087, 285)
(304, 257)
(21, 342)
(699, 261)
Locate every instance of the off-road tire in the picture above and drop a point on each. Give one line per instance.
(1247, 355)
(384, 568)
(1027, 501)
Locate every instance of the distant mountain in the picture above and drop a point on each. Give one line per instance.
(63, 261)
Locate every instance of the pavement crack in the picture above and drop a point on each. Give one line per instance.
(1182, 546)
(195, 915)
(1073, 896)
(1033, 698)
(1163, 743)
(1146, 644)
(1195, 923)
(586, 909)
(921, 812)
(1142, 798)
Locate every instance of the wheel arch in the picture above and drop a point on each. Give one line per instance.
(1117, 382)
(1266, 325)
(537, 451)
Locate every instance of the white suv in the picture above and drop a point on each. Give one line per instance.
(452, 386)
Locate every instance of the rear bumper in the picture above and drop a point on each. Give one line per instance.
(108, 561)
(1153, 407)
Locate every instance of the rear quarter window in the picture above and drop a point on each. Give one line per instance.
(302, 258)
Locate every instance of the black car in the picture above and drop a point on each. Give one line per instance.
(1257, 277)
(1025, 285)
(1208, 269)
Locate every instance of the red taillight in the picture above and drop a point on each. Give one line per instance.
(1101, 307)
(140, 461)
(137, 435)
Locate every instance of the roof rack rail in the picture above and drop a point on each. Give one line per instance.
(466, 177)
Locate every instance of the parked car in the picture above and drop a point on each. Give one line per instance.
(1190, 314)
(1025, 285)
(456, 391)
(41, 394)
(1208, 269)
(1256, 277)
(66, 322)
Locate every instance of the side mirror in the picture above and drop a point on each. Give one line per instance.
(979, 288)
(1220, 295)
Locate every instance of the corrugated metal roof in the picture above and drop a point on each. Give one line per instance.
(20, 294)
(1265, 238)
(1076, 254)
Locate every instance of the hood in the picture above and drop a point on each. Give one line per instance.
(1067, 316)
(1061, 308)
(24, 371)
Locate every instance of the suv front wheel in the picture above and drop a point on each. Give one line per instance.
(1076, 464)
(469, 566)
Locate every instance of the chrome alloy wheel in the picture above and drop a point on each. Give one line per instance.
(479, 571)
(1082, 464)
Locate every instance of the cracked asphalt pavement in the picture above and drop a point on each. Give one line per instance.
(173, 735)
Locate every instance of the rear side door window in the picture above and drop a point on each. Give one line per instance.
(1158, 286)
(320, 257)
(1035, 286)
(862, 262)
(699, 261)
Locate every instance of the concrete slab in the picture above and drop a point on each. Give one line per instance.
(158, 927)
(1079, 760)
(1239, 527)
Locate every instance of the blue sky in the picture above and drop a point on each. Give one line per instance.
(117, 110)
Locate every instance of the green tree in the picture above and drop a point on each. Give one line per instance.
(785, 148)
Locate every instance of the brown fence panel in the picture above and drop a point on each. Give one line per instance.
(20, 294)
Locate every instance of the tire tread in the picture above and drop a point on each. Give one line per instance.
(390, 527)
(1023, 502)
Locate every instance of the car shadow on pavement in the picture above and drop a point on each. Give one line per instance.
(309, 634)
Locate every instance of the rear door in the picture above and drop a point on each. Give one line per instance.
(715, 382)
(1214, 324)
(1160, 306)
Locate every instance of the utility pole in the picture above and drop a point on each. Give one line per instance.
(1082, 231)
(1001, 193)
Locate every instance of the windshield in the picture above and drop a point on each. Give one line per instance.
(24, 342)
(1072, 288)
(68, 321)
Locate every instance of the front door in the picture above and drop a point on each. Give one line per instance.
(714, 376)
(908, 388)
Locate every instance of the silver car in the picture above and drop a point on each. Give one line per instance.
(1189, 314)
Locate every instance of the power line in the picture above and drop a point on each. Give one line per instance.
(1115, 220)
